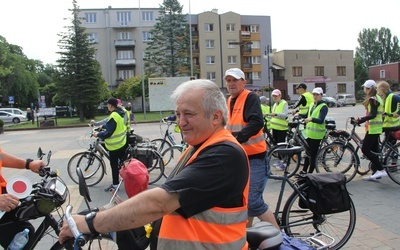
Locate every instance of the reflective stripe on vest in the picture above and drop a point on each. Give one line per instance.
(276, 123)
(256, 144)
(3, 182)
(315, 130)
(266, 110)
(374, 126)
(118, 139)
(215, 228)
(390, 121)
(127, 119)
(303, 110)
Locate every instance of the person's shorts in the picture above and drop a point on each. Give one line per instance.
(259, 169)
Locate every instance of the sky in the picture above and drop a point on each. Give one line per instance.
(295, 24)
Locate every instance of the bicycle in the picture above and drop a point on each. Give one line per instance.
(167, 139)
(92, 163)
(300, 222)
(342, 156)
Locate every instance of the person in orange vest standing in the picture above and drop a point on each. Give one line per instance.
(245, 122)
(9, 202)
(204, 201)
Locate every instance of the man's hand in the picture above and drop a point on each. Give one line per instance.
(66, 233)
(308, 120)
(35, 165)
(8, 202)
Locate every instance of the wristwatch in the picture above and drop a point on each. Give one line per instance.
(27, 162)
(89, 220)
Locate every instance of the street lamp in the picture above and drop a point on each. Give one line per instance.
(268, 53)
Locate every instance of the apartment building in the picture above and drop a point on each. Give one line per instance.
(219, 42)
(332, 70)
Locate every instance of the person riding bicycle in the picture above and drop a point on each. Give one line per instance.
(373, 126)
(315, 129)
(204, 201)
(9, 202)
(305, 101)
(115, 138)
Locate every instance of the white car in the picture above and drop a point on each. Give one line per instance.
(14, 118)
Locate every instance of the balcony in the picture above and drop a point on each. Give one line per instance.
(125, 62)
(247, 65)
(124, 43)
(245, 33)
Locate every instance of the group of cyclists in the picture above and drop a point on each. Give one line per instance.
(382, 115)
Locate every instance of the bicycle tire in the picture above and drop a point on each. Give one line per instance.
(171, 157)
(392, 163)
(276, 159)
(338, 157)
(91, 164)
(161, 144)
(365, 166)
(95, 243)
(302, 223)
(156, 170)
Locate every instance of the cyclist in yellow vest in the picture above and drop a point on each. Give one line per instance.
(204, 201)
(9, 202)
(391, 111)
(315, 129)
(115, 138)
(373, 128)
(266, 110)
(279, 120)
(305, 101)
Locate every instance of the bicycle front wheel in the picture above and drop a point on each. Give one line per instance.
(302, 223)
(96, 243)
(92, 167)
(279, 162)
(392, 163)
(161, 144)
(171, 157)
(156, 170)
(337, 157)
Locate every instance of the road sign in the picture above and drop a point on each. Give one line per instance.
(11, 99)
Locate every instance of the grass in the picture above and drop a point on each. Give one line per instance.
(67, 122)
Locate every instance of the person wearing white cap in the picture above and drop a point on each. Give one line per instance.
(315, 129)
(245, 122)
(279, 113)
(373, 126)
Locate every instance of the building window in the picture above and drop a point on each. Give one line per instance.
(231, 46)
(147, 16)
(255, 45)
(211, 75)
(124, 18)
(93, 38)
(210, 59)
(125, 74)
(209, 44)
(91, 17)
(341, 70)
(319, 71)
(382, 74)
(230, 27)
(231, 59)
(125, 54)
(341, 87)
(254, 28)
(209, 27)
(256, 59)
(124, 36)
(256, 75)
(297, 71)
(147, 36)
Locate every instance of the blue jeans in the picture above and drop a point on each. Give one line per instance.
(259, 170)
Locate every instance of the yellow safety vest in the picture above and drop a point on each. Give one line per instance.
(390, 121)
(276, 123)
(315, 130)
(118, 139)
(303, 110)
(374, 126)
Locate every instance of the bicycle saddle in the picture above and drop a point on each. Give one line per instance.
(289, 151)
(263, 235)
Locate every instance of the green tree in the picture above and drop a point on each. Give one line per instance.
(361, 75)
(377, 47)
(168, 51)
(131, 88)
(79, 80)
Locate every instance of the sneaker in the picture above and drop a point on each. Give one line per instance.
(302, 172)
(280, 167)
(110, 188)
(377, 175)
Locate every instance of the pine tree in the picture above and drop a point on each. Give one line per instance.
(168, 52)
(80, 80)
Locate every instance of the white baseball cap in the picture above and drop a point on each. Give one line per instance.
(235, 72)
(318, 91)
(369, 83)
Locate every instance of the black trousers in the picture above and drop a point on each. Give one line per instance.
(370, 145)
(116, 157)
(279, 135)
(313, 144)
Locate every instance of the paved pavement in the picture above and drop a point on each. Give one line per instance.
(378, 222)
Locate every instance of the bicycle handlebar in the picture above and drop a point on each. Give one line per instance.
(79, 238)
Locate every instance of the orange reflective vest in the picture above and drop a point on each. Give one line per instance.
(215, 228)
(3, 182)
(256, 144)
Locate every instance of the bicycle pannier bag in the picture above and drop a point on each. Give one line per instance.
(327, 193)
(144, 154)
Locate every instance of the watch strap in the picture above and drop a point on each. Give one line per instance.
(89, 220)
(27, 162)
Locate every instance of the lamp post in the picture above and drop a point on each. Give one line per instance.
(268, 52)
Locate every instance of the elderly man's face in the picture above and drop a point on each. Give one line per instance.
(235, 86)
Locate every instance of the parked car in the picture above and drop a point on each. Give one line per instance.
(13, 111)
(14, 118)
(346, 99)
(331, 102)
(102, 108)
(64, 111)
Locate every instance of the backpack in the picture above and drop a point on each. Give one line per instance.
(327, 193)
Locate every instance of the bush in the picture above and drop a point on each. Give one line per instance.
(1, 123)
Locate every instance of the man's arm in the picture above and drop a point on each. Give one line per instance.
(137, 211)
(11, 161)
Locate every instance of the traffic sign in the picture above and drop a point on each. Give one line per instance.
(11, 99)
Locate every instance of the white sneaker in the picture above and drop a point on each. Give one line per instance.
(378, 174)
(280, 167)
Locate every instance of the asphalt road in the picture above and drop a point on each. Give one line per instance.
(378, 223)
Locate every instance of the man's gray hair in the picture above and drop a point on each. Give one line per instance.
(213, 98)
